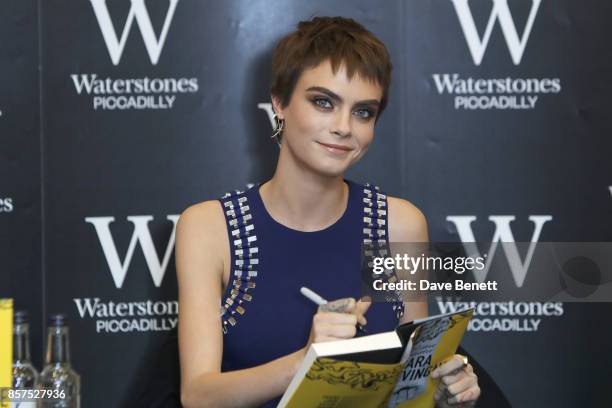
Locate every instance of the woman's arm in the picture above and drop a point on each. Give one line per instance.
(202, 256)
(202, 253)
(408, 224)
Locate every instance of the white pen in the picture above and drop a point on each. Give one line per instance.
(319, 300)
(316, 298)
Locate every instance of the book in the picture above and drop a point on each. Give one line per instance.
(6, 350)
(385, 370)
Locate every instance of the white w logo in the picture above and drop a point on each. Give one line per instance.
(500, 12)
(503, 234)
(138, 11)
(141, 234)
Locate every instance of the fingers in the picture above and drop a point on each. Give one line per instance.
(361, 307)
(451, 365)
(469, 395)
(344, 305)
(328, 326)
(456, 375)
(348, 305)
(334, 318)
(453, 377)
(338, 318)
(458, 383)
(464, 399)
(462, 384)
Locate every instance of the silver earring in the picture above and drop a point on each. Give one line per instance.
(280, 125)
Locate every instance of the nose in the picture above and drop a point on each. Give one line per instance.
(342, 123)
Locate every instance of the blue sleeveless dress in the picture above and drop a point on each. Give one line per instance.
(264, 315)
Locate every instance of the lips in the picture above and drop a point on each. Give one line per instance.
(335, 147)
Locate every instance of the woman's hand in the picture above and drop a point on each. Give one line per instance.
(337, 320)
(458, 387)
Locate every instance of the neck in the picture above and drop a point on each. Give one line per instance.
(301, 199)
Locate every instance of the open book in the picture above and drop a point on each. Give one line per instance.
(383, 370)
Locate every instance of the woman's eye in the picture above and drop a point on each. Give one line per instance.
(323, 103)
(364, 113)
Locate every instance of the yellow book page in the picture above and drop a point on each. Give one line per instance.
(6, 349)
(444, 350)
(344, 384)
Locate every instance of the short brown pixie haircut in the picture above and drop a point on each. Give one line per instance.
(342, 41)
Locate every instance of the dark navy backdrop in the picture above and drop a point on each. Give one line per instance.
(116, 115)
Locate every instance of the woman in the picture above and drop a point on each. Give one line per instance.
(251, 251)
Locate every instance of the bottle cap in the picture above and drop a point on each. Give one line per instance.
(57, 320)
(21, 317)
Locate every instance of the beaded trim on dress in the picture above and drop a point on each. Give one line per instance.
(244, 244)
(374, 237)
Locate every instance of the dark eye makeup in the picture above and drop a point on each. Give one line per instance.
(323, 102)
(365, 113)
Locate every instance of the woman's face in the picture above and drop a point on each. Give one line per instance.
(329, 121)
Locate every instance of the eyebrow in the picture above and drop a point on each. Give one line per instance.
(338, 98)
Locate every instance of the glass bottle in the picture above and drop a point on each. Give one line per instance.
(25, 375)
(57, 373)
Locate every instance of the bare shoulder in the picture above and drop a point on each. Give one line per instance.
(205, 217)
(201, 237)
(406, 222)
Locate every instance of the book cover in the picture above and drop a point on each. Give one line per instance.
(384, 370)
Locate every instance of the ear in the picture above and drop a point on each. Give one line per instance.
(277, 106)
